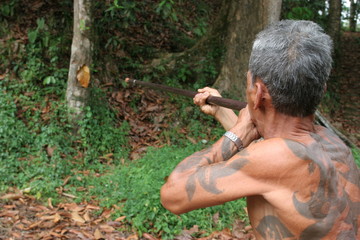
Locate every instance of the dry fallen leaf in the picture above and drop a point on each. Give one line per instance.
(215, 218)
(56, 235)
(68, 195)
(20, 227)
(76, 217)
(83, 76)
(50, 150)
(12, 196)
(92, 207)
(149, 236)
(98, 234)
(47, 217)
(34, 225)
(50, 203)
(132, 237)
(47, 224)
(114, 224)
(119, 219)
(107, 228)
(16, 235)
(57, 218)
(9, 213)
(87, 216)
(107, 213)
(10, 206)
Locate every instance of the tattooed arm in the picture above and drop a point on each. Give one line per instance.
(201, 180)
(197, 180)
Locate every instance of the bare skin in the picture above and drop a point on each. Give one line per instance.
(300, 182)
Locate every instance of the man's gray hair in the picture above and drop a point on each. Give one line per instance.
(293, 59)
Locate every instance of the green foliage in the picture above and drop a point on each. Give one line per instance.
(135, 189)
(356, 154)
(201, 29)
(24, 142)
(166, 9)
(14, 138)
(126, 12)
(98, 134)
(42, 58)
(7, 9)
(37, 146)
(316, 11)
(193, 75)
(303, 13)
(42, 148)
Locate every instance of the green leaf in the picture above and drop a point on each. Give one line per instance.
(46, 40)
(49, 80)
(174, 16)
(5, 10)
(41, 23)
(32, 35)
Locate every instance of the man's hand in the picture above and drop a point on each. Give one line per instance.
(245, 128)
(225, 116)
(200, 100)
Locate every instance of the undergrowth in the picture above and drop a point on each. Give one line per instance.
(38, 148)
(134, 189)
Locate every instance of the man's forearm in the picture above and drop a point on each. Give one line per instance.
(226, 117)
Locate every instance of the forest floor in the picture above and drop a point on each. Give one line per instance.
(23, 217)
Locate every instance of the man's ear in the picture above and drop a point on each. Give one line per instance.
(259, 94)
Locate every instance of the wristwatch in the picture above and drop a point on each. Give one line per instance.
(237, 141)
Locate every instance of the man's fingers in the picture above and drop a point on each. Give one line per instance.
(200, 98)
(212, 91)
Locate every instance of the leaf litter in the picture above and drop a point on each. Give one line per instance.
(23, 217)
(147, 112)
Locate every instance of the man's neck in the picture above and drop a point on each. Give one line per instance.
(284, 126)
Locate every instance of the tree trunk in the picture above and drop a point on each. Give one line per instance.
(79, 76)
(244, 19)
(334, 25)
(353, 15)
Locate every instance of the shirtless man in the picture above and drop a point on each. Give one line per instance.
(300, 181)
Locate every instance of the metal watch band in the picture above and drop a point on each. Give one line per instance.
(237, 141)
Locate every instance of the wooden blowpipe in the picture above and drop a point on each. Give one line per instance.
(219, 101)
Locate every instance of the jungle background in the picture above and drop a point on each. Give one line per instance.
(98, 175)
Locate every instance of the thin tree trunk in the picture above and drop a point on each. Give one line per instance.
(334, 25)
(244, 20)
(353, 15)
(77, 91)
